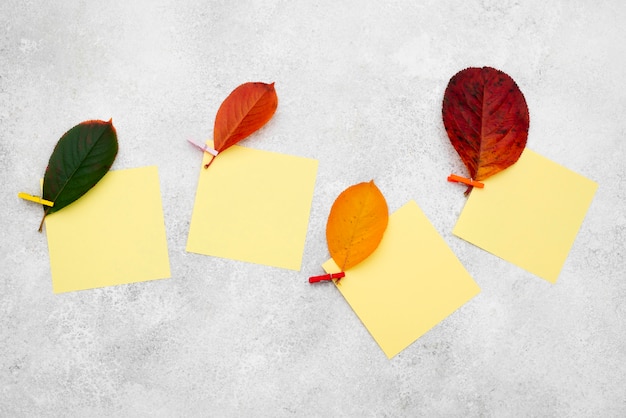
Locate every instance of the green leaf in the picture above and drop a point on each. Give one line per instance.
(83, 155)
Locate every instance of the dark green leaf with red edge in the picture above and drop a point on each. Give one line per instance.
(83, 155)
(486, 118)
(244, 111)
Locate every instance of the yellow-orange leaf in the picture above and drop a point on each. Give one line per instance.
(356, 224)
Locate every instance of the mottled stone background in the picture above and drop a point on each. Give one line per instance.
(360, 86)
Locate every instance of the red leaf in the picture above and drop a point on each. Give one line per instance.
(486, 117)
(244, 111)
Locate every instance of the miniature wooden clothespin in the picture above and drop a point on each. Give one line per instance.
(470, 182)
(203, 147)
(330, 276)
(35, 199)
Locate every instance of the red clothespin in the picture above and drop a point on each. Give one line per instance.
(316, 279)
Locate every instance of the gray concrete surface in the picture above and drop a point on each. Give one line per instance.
(360, 86)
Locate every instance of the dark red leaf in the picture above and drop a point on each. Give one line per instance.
(486, 117)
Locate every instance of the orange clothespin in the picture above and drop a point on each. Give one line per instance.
(470, 182)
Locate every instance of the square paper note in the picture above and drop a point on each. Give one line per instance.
(253, 206)
(114, 234)
(408, 285)
(528, 214)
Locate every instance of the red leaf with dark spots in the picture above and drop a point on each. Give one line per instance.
(486, 117)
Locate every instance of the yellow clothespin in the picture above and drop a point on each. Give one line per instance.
(35, 199)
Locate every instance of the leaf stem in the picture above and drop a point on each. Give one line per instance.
(41, 224)
(210, 162)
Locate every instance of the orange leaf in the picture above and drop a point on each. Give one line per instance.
(244, 111)
(356, 224)
(486, 117)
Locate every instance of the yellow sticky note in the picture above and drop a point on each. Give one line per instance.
(253, 206)
(528, 214)
(408, 285)
(114, 234)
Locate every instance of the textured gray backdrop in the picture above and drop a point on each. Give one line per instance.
(360, 86)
